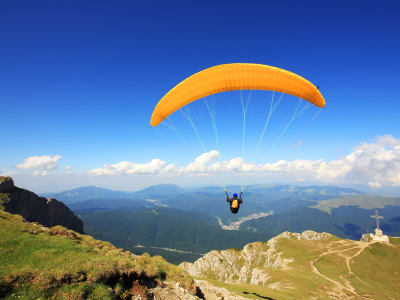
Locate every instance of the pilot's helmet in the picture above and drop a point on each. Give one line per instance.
(234, 195)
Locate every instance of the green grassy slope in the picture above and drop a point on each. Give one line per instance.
(38, 262)
(321, 269)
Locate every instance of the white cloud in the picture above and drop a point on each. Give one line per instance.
(376, 163)
(43, 162)
(130, 168)
(68, 169)
(200, 163)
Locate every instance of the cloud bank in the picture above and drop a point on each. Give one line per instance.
(376, 163)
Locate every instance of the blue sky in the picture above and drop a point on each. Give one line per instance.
(79, 81)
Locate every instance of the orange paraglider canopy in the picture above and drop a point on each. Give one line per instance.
(230, 77)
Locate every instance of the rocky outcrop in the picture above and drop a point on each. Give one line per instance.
(6, 184)
(307, 235)
(249, 265)
(48, 212)
(366, 238)
(171, 290)
(209, 292)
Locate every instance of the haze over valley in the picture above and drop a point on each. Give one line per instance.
(195, 220)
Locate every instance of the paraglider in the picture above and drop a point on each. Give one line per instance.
(234, 202)
(231, 77)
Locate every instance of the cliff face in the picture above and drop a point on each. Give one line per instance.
(308, 265)
(249, 265)
(6, 183)
(48, 212)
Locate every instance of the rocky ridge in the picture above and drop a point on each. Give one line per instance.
(48, 212)
(249, 265)
(6, 183)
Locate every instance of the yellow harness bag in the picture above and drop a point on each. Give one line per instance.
(235, 203)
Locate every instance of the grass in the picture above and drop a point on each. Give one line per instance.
(4, 197)
(375, 271)
(379, 267)
(58, 263)
(333, 266)
(262, 292)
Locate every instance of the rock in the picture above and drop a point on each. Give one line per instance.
(172, 290)
(6, 184)
(314, 236)
(249, 265)
(233, 266)
(47, 212)
(210, 292)
(308, 235)
(190, 268)
(259, 277)
(366, 238)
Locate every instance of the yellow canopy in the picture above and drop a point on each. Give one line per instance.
(231, 77)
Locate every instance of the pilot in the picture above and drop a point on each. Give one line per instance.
(234, 202)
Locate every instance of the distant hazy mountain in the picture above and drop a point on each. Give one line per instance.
(257, 198)
(264, 194)
(209, 200)
(85, 193)
(255, 193)
(158, 191)
(93, 193)
(346, 217)
(96, 204)
(344, 212)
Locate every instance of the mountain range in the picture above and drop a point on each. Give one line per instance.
(248, 262)
(162, 219)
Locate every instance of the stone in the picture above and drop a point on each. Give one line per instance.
(47, 212)
(6, 184)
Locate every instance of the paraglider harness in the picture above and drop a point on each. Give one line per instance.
(234, 202)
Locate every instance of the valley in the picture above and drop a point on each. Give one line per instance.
(236, 225)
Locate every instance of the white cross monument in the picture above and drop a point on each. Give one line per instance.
(378, 236)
